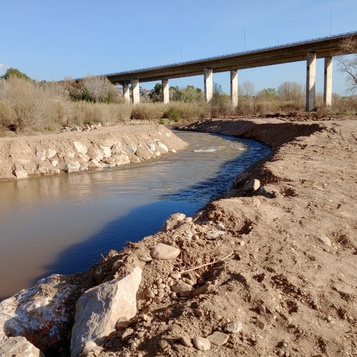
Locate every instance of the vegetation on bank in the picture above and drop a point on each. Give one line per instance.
(27, 105)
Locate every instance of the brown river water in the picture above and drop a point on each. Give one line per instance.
(64, 224)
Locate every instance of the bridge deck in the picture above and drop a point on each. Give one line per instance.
(323, 47)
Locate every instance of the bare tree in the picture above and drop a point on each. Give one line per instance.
(100, 89)
(347, 60)
(291, 91)
(246, 89)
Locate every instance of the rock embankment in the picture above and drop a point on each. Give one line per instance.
(22, 157)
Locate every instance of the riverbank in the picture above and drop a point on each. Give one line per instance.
(72, 151)
(268, 270)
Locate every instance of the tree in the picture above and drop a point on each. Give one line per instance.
(347, 61)
(98, 89)
(189, 94)
(269, 92)
(156, 93)
(14, 72)
(246, 89)
(291, 91)
(217, 89)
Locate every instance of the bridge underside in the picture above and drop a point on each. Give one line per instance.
(308, 51)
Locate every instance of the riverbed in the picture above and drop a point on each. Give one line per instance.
(64, 224)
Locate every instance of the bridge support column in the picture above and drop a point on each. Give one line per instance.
(310, 81)
(208, 84)
(135, 88)
(165, 90)
(234, 88)
(328, 82)
(126, 93)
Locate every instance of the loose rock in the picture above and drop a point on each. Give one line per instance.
(201, 343)
(99, 309)
(38, 313)
(186, 341)
(164, 251)
(20, 347)
(182, 288)
(173, 221)
(234, 327)
(218, 338)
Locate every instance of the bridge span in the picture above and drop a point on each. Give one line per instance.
(308, 51)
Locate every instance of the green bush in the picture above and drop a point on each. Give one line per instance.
(173, 114)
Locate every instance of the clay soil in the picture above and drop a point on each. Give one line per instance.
(284, 264)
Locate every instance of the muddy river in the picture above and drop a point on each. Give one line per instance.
(64, 224)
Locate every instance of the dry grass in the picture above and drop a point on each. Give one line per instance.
(33, 106)
(46, 107)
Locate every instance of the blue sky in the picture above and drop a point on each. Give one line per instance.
(54, 39)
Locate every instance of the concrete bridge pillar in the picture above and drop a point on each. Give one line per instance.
(165, 90)
(208, 84)
(310, 81)
(135, 88)
(328, 82)
(234, 88)
(126, 93)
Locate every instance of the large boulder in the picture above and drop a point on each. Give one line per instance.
(100, 308)
(40, 314)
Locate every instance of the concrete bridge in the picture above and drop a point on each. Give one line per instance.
(308, 51)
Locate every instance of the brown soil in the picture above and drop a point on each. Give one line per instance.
(290, 255)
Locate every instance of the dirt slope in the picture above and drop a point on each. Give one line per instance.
(286, 256)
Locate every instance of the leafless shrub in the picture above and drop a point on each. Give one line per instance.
(344, 105)
(100, 89)
(29, 101)
(291, 91)
(347, 61)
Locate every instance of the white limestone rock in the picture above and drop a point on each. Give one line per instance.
(106, 151)
(20, 174)
(18, 346)
(252, 185)
(51, 153)
(99, 309)
(95, 154)
(325, 240)
(164, 251)
(152, 147)
(173, 221)
(162, 146)
(81, 148)
(234, 327)
(40, 313)
(121, 159)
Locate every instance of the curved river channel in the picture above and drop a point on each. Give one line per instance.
(63, 224)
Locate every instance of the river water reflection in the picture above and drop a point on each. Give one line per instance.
(63, 224)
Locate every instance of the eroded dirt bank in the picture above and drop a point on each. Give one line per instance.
(269, 270)
(290, 283)
(22, 157)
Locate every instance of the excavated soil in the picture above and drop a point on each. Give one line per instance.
(272, 265)
(280, 261)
